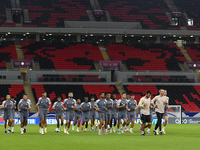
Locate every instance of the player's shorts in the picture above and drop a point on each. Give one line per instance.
(101, 116)
(12, 114)
(69, 116)
(114, 115)
(7, 115)
(59, 114)
(108, 116)
(131, 115)
(92, 115)
(42, 115)
(145, 118)
(122, 115)
(23, 116)
(85, 116)
(77, 116)
(165, 113)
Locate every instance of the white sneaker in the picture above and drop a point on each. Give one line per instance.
(42, 132)
(77, 130)
(73, 127)
(65, 131)
(110, 130)
(22, 132)
(163, 131)
(113, 129)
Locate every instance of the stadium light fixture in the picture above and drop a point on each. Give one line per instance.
(65, 34)
(191, 36)
(174, 35)
(110, 35)
(21, 39)
(8, 32)
(179, 37)
(132, 35)
(50, 34)
(164, 37)
(69, 34)
(91, 34)
(27, 33)
(194, 65)
(150, 36)
(44, 39)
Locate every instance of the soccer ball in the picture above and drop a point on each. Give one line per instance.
(57, 130)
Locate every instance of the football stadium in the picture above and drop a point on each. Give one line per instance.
(99, 74)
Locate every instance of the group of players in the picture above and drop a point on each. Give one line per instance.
(107, 109)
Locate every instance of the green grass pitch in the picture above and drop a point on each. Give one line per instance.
(183, 137)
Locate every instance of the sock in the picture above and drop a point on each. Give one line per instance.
(148, 129)
(110, 129)
(67, 129)
(5, 129)
(131, 129)
(41, 129)
(99, 130)
(125, 126)
(142, 132)
(92, 128)
(102, 126)
(24, 127)
(8, 128)
(163, 127)
(118, 129)
(12, 128)
(45, 128)
(108, 126)
(85, 128)
(106, 130)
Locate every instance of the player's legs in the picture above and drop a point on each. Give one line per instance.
(75, 122)
(165, 123)
(62, 120)
(86, 125)
(5, 124)
(57, 118)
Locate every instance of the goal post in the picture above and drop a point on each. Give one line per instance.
(174, 114)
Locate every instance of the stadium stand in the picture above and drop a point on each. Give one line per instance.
(193, 50)
(53, 14)
(141, 56)
(192, 9)
(185, 95)
(80, 91)
(151, 14)
(71, 78)
(62, 56)
(160, 78)
(3, 6)
(13, 89)
(7, 52)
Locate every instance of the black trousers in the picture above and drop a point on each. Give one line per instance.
(158, 124)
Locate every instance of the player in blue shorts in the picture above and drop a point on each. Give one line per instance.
(100, 106)
(165, 113)
(131, 107)
(77, 115)
(43, 106)
(122, 113)
(23, 107)
(13, 112)
(58, 107)
(7, 106)
(114, 113)
(85, 108)
(70, 104)
(92, 113)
